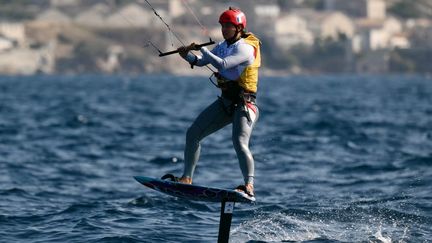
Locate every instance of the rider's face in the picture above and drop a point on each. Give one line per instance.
(228, 30)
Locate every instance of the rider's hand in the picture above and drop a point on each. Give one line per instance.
(183, 50)
(194, 47)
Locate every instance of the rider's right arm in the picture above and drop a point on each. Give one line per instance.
(198, 60)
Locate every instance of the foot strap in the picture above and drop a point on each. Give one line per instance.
(171, 177)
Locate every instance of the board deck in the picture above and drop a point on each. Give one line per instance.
(194, 192)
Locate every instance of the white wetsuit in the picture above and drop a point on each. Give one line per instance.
(230, 61)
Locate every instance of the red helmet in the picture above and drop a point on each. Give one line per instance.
(233, 16)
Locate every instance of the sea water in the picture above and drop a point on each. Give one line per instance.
(338, 159)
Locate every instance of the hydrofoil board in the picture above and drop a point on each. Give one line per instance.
(194, 192)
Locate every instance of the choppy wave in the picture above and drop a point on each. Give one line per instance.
(338, 159)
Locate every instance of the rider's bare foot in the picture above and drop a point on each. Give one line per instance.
(248, 188)
(185, 180)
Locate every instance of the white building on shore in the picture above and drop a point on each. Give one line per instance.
(14, 32)
(302, 27)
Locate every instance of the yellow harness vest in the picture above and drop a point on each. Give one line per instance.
(249, 78)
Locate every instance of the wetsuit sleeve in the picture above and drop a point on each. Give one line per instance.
(199, 60)
(244, 53)
(196, 60)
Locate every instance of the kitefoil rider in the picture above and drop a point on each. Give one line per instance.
(237, 60)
